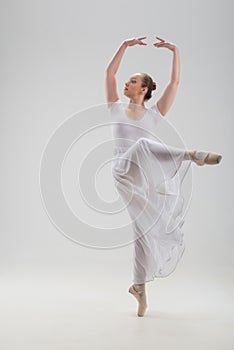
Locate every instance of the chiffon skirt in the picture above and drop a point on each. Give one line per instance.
(148, 176)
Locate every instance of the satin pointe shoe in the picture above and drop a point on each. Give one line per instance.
(141, 298)
(204, 157)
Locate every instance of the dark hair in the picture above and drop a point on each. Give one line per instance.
(148, 82)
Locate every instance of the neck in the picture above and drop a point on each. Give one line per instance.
(135, 102)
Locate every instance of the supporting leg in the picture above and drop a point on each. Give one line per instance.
(138, 290)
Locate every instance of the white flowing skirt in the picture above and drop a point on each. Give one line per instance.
(148, 176)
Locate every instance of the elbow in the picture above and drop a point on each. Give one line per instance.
(109, 71)
(175, 82)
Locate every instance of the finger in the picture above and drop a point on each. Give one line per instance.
(143, 37)
(159, 38)
(141, 42)
(160, 44)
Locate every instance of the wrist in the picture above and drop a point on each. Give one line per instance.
(124, 44)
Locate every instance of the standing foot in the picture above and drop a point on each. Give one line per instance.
(138, 291)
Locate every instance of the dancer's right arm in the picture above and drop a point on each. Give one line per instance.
(112, 67)
(111, 70)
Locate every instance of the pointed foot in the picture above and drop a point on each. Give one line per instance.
(141, 298)
(204, 157)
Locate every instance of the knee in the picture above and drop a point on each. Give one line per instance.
(142, 141)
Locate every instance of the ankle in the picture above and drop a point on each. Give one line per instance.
(139, 287)
(190, 154)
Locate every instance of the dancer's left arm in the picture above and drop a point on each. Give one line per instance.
(165, 101)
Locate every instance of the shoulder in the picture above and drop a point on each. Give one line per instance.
(155, 108)
(112, 105)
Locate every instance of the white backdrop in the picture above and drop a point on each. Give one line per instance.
(53, 58)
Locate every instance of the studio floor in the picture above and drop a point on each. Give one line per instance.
(58, 310)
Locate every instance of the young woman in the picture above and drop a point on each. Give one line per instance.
(156, 252)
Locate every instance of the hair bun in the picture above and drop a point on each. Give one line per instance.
(154, 86)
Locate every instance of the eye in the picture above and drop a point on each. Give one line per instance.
(133, 81)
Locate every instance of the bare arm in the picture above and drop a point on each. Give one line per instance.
(111, 70)
(116, 59)
(165, 101)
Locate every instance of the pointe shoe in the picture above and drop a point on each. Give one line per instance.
(203, 157)
(140, 296)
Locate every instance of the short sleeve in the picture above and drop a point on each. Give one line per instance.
(156, 110)
(114, 105)
(115, 108)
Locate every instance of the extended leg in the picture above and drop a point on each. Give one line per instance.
(163, 151)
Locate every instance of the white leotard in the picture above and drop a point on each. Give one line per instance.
(126, 130)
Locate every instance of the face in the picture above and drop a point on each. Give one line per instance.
(133, 86)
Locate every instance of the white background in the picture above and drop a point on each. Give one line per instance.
(57, 294)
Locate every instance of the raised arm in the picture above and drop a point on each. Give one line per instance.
(165, 101)
(111, 70)
(112, 67)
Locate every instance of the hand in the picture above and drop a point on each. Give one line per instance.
(164, 43)
(135, 41)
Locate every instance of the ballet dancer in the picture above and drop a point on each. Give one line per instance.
(138, 89)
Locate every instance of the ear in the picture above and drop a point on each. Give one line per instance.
(145, 89)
